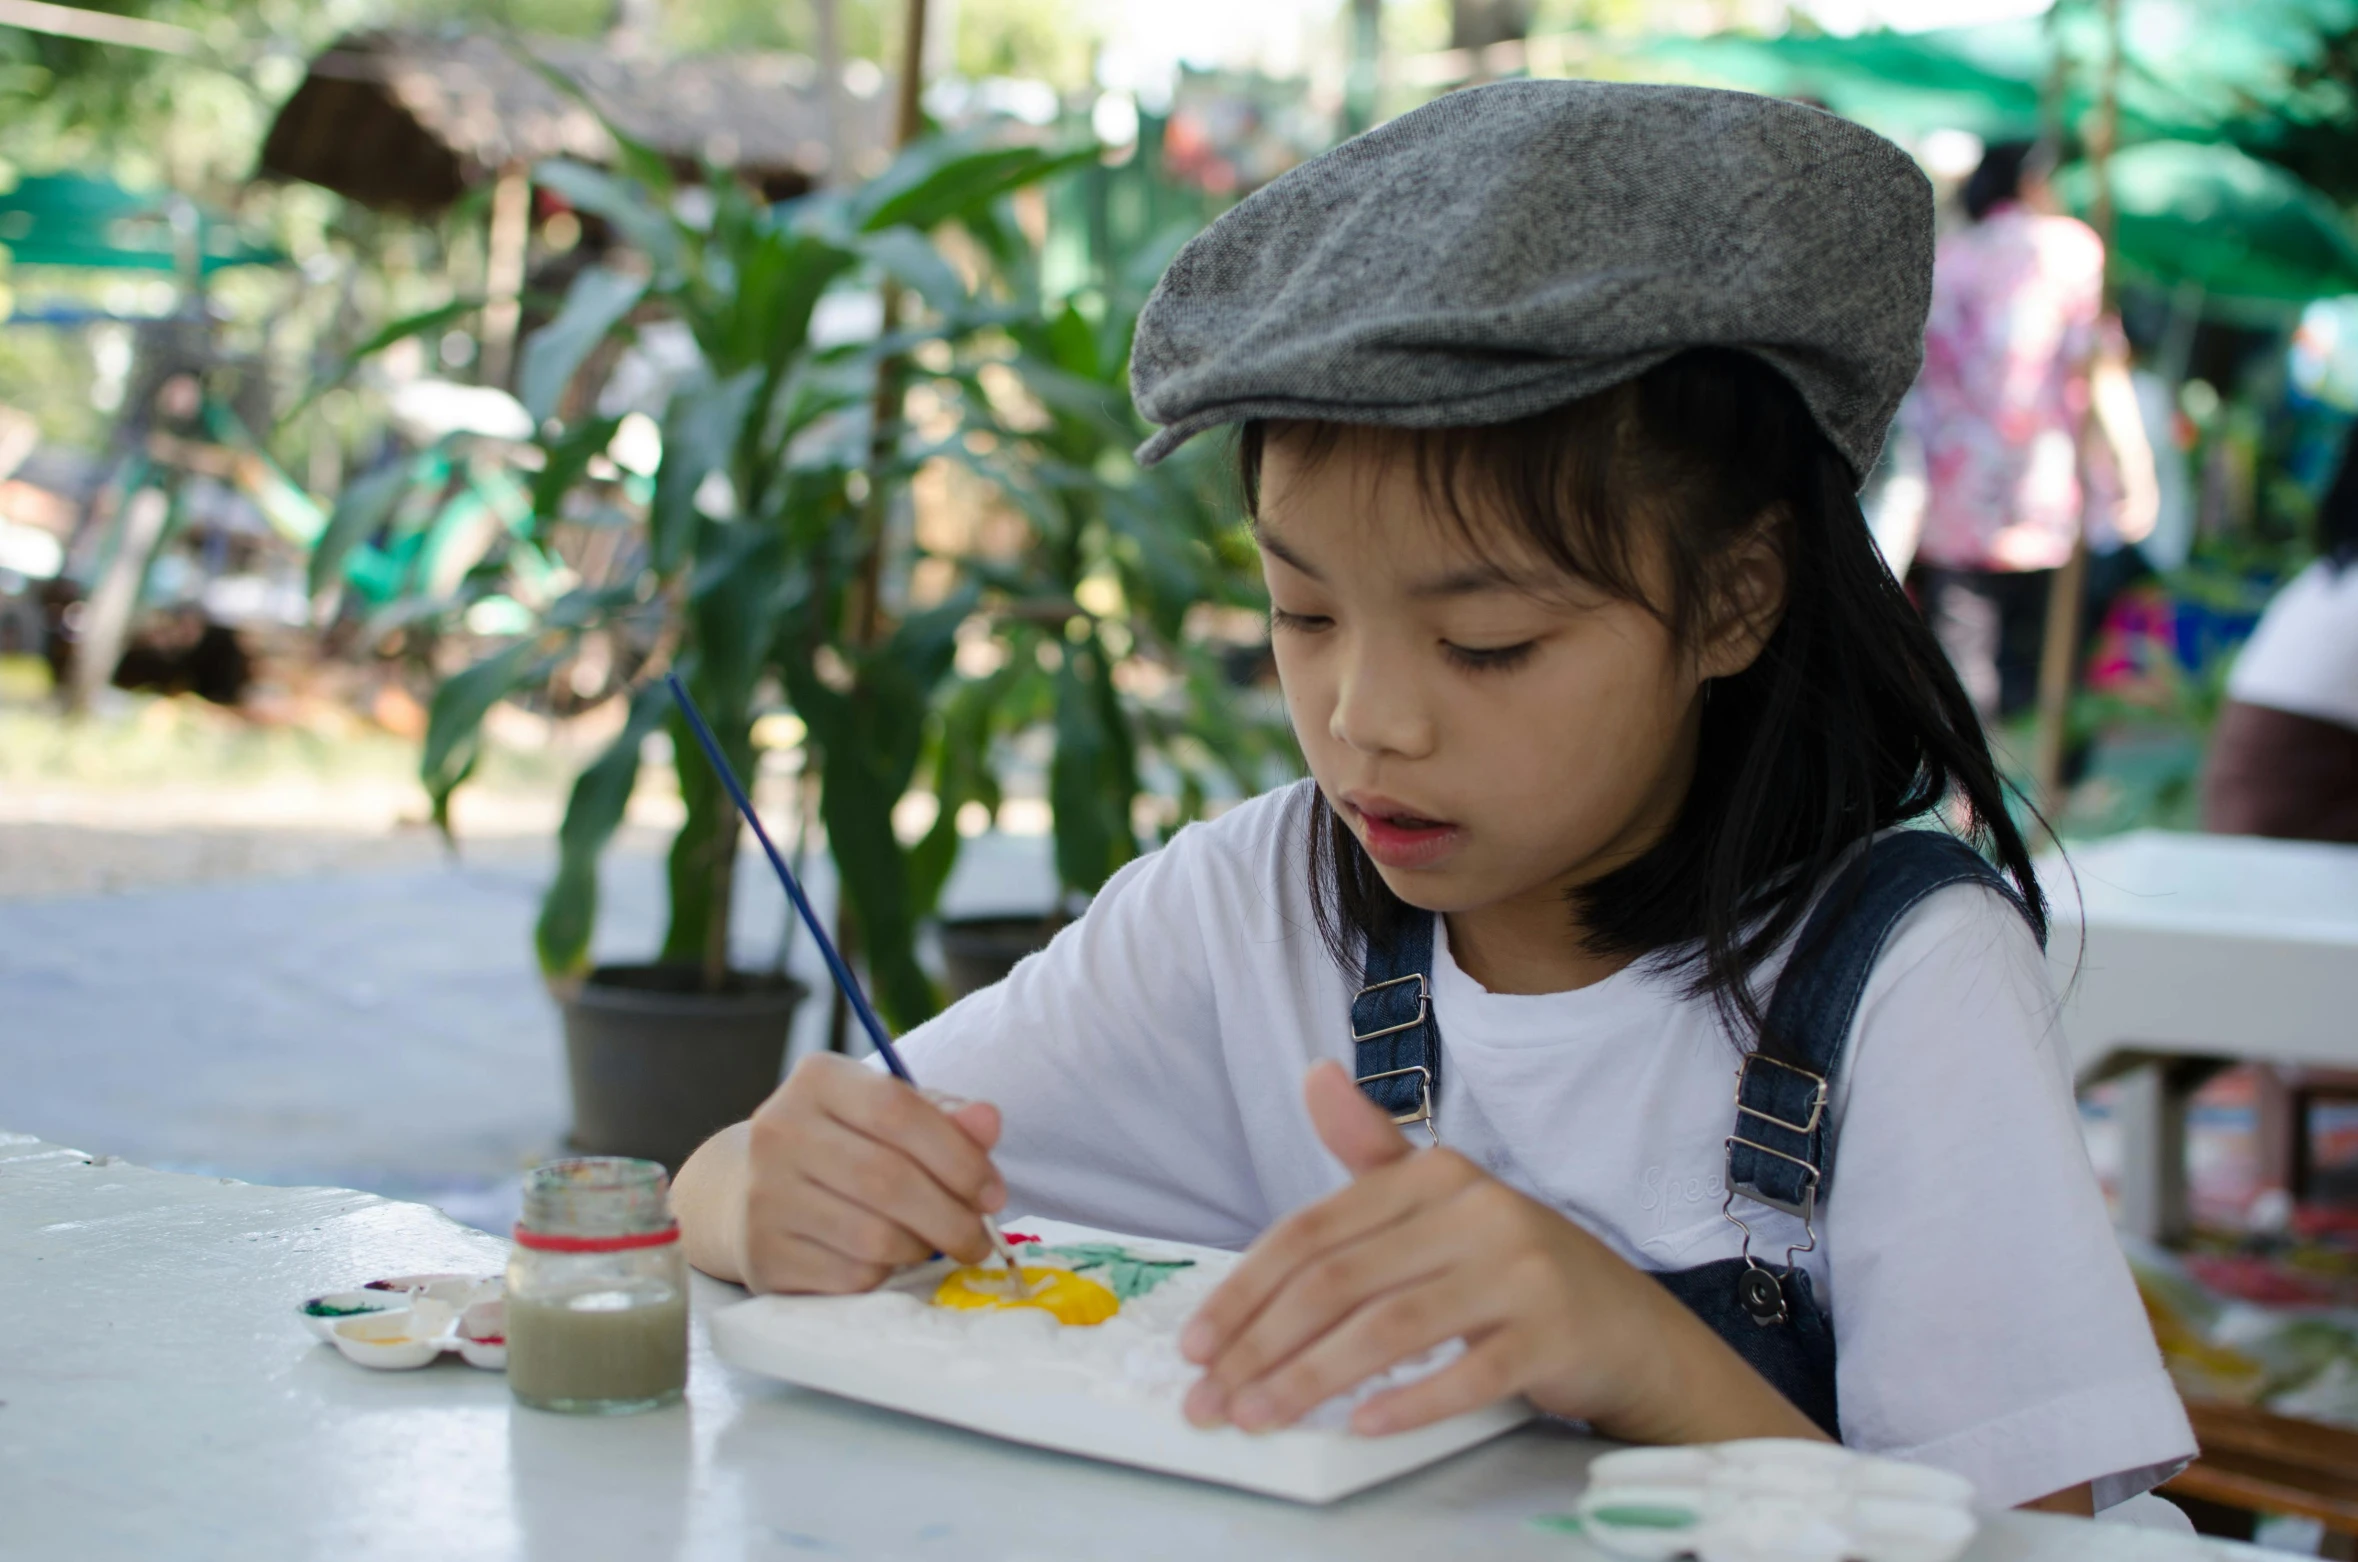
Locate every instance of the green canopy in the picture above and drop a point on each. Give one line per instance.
(72, 220)
(2190, 69)
(2244, 231)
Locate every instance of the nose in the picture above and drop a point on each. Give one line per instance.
(1380, 707)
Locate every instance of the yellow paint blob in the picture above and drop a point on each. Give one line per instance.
(1061, 1294)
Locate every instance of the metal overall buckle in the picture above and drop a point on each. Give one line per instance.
(1760, 1289)
(1423, 1112)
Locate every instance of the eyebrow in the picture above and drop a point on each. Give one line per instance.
(1269, 544)
(1469, 581)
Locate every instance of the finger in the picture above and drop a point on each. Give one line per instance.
(780, 1261)
(893, 1113)
(861, 1234)
(1374, 1304)
(1354, 1129)
(1379, 1200)
(1489, 1371)
(979, 1121)
(1377, 1337)
(1317, 1297)
(882, 1179)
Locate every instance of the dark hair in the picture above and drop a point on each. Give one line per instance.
(1998, 179)
(2337, 512)
(1848, 722)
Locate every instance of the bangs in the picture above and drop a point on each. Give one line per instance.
(1592, 488)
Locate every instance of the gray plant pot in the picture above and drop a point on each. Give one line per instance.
(978, 951)
(659, 1065)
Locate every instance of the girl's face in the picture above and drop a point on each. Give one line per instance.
(1494, 731)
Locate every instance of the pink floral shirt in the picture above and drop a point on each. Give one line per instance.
(2015, 302)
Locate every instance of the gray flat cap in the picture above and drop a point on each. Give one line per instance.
(1508, 248)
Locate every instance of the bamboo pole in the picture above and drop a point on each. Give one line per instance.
(503, 272)
(2059, 649)
(830, 39)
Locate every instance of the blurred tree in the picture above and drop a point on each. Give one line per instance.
(1055, 41)
(1477, 24)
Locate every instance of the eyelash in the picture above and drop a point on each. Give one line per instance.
(1491, 659)
(1488, 659)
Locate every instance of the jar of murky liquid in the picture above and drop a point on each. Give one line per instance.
(597, 1295)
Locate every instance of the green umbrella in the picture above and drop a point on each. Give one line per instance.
(73, 220)
(1903, 84)
(2244, 231)
(2190, 69)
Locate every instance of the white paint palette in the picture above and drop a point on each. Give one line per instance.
(1110, 1391)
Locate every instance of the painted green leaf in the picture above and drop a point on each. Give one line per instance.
(1121, 1271)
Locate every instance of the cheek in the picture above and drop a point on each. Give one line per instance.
(1308, 686)
(1593, 729)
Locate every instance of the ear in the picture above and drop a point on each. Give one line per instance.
(1750, 600)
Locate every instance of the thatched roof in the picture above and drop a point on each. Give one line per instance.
(408, 121)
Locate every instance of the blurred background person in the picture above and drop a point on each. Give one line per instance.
(2284, 756)
(2016, 358)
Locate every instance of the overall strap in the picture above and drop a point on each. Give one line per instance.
(1778, 1154)
(1392, 1023)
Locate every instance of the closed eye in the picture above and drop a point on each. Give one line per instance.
(1490, 658)
(1299, 623)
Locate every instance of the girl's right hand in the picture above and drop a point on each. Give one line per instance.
(849, 1174)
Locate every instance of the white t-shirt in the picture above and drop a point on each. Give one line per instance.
(2304, 656)
(1149, 1064)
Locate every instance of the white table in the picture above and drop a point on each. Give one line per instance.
(159, 1400)
(2198, 950)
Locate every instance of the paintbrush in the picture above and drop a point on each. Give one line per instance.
(847, 983)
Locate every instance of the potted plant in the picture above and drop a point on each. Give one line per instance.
(1099, 624)
(760, 572)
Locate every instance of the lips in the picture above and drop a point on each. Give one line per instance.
(1396, 835)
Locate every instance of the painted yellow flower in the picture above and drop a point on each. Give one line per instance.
(1061, 1294)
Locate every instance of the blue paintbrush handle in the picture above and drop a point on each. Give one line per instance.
(810, 919)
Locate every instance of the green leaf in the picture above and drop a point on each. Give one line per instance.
(454, 721)
(564, 460)
(940, 179)
(594, 305)
(907, 256)
(701, 428)
(702, 866)
(869, 741)
(424, 322)
(367, 502)
(1092, 779)
(628, 204)
(961, 775)
(601, 793)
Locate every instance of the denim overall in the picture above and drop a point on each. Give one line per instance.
(1777, 1154)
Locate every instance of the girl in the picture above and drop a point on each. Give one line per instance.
(1554, 399)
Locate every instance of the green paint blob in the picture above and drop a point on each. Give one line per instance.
(1637, 1516)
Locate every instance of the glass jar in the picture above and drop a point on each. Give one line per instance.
(597, 1295)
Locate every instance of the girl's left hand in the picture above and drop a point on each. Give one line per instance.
(1425, 1247)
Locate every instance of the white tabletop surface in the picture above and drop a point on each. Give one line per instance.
(2206, 945)
(159, 1399)
(2225, 885)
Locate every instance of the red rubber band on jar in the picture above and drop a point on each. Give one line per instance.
(548, 1242)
